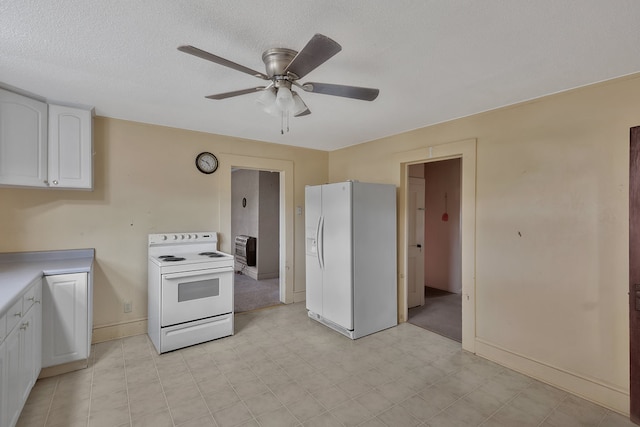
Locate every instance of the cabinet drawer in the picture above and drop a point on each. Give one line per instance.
(14, 314)
(29, 298)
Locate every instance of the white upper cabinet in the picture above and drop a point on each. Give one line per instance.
(23, 140)
(44, 145)
(70, 148)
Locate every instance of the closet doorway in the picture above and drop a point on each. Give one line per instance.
(434, 253)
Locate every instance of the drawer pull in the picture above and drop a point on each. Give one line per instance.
(31, 299)
(18, 314)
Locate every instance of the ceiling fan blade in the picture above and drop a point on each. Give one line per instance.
(235, 93)
(318, 50)
(355, 92)
(304, 113)
(221, 61)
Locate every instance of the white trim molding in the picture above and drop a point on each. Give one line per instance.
(591, 389)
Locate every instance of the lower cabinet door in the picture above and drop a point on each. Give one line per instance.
(64, 319)
(30, 356)
(3, 385)
(17, 384)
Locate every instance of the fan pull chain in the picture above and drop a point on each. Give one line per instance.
(282, 121)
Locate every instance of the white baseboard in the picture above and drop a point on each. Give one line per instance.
(52, 371)
(118, 330)
(591, 389)
(299, 296)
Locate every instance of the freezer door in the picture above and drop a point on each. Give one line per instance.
(336, 253)
(313, 209)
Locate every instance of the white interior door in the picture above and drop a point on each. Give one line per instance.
(415, 250)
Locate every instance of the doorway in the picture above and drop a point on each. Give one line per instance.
(255, 212)
(434, 252)
(286, 216)
(465, 150)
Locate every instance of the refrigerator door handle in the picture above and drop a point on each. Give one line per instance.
(320, 240)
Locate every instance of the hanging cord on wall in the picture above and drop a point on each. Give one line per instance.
(445, 215)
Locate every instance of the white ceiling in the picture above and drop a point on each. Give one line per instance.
(433, 60)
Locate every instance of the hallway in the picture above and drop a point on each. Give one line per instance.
(441, 313)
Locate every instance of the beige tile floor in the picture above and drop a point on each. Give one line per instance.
(283, 369)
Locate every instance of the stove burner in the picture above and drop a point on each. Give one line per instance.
(211, 254)
(172, 258)
(166, 256)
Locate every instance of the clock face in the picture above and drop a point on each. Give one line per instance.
(206, 162)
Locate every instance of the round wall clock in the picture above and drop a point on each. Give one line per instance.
(206, 162)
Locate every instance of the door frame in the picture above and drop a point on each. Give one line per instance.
(634, 274)
(466, 151)
(419, 283)
(285, 168)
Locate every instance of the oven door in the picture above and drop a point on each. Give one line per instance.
(193, 295)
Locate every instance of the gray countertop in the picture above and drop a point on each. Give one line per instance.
(19, 269)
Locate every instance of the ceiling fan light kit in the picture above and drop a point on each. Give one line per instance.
(284, 99)
(267, 100)
(284, 67)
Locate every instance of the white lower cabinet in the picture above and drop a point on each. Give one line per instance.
(3, 385)
(66, 326)
(48, 325)
(20, 354)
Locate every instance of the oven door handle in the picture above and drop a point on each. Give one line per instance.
(196, 273)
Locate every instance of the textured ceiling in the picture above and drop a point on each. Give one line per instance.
(432, 60)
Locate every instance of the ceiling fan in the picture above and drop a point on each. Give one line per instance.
(284, 67)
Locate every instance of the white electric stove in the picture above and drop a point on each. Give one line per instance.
(190, 290)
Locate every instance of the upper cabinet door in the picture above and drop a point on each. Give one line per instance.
(70, 147)
(23, 140)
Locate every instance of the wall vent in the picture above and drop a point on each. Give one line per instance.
(246, 250)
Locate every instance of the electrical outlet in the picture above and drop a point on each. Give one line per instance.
(127, 306)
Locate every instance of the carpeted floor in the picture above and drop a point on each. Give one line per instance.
(441, 313)
(250, 294)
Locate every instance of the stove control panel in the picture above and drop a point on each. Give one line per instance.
(177, 238)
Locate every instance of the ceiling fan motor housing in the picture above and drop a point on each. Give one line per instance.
(276, 60)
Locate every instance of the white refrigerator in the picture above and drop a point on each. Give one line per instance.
(351, 256)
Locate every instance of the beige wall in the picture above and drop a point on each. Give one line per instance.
(551, 252)
(551, 241)
(145, 182)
